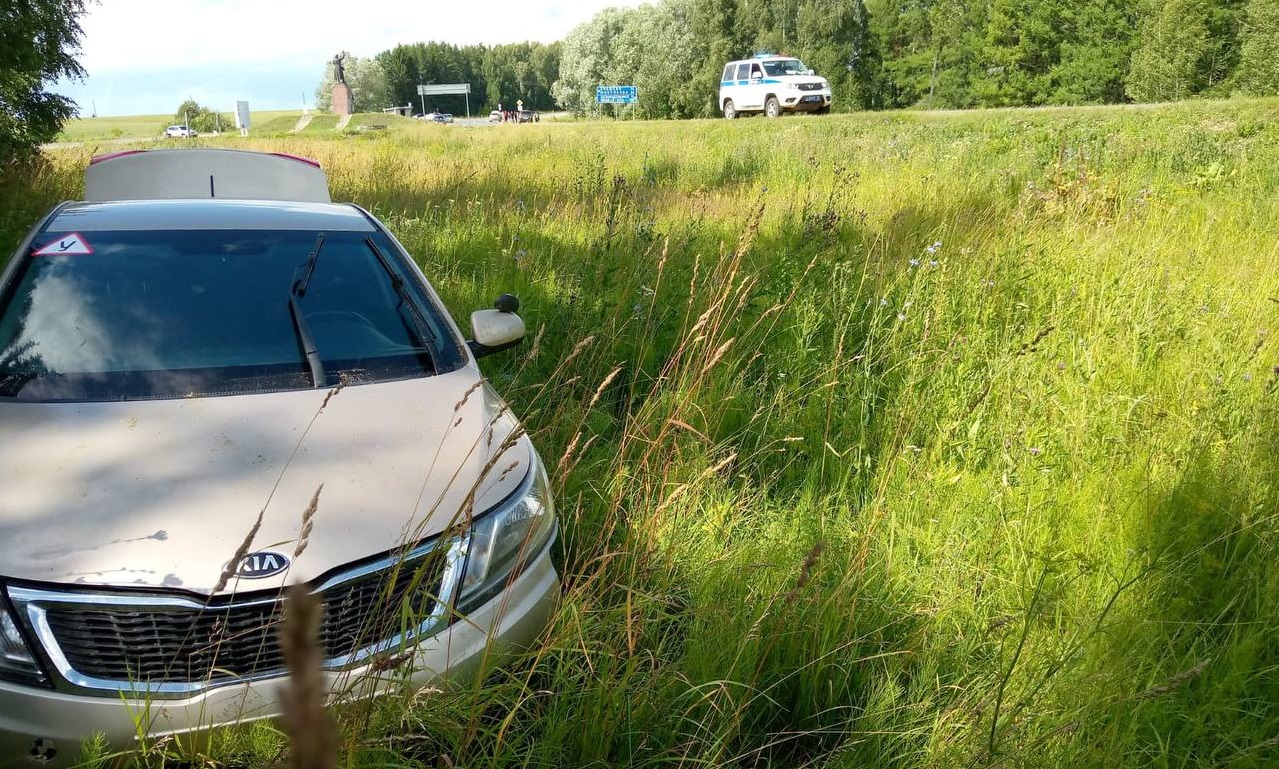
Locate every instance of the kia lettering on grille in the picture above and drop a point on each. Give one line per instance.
(262, 564)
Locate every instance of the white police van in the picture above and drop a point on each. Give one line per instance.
(772, 85)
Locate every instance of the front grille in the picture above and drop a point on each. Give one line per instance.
(810, 86)
(183, 643)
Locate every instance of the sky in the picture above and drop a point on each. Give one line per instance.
(145, 57)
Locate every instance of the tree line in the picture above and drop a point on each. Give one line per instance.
(497, 74)
(878, 54)
(882, 54)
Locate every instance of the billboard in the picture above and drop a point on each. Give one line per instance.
(437, 90)
(616, 94)
(242, 115)
(442, 89)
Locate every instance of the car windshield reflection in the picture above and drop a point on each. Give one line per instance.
(189, 313)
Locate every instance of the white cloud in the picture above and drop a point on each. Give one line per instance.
(146, 56)
(139, 35)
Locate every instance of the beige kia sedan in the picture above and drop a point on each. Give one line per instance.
(208, 359)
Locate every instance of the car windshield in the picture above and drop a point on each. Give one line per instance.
(132, 315)
(781, 67)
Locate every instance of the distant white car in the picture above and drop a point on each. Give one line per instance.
(179, 132)
(496, 117)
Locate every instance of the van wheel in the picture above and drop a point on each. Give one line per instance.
(772, 107)
(730, 110)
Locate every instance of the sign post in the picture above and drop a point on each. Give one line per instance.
(242, 117)
(436, 90)
(617, 94)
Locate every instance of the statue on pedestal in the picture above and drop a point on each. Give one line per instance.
(339, 72)
(343, 99)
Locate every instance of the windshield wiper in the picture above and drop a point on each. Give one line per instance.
(397, 283)
(301, 279)
(300, 284)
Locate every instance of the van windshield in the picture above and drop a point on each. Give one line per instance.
(779, 67)
(168, 314)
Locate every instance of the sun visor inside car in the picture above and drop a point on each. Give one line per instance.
(204, 173)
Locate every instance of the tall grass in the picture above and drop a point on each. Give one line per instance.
(883, 441)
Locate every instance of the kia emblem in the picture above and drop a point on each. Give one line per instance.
(263, 564)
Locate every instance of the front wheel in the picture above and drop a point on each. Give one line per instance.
(772, 107)
(822, 111)
(730, 110)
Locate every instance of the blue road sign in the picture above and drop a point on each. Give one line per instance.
(616, 94)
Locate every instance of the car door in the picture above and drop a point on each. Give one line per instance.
(756, 90)
(741, 86)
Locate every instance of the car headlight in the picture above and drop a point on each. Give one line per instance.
(504, 540)
(16, 661)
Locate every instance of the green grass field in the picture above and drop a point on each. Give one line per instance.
(886, 440)
(97, 128)
(278, 124)
(152, 126)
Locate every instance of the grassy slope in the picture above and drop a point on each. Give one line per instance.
(279, 124)
(887, 440)
(322, 124)
(135, 126)
(148, 126)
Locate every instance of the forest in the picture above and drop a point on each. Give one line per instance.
(878, 54)
(501, 73)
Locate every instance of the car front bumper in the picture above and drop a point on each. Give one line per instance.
(805, 101)
(42, 729)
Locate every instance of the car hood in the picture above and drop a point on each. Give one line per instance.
(801, 79)
(160, 494)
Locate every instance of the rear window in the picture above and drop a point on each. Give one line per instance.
(134, 315)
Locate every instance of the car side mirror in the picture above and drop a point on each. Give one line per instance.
(756, 76)
(497, 329)
(810, 72)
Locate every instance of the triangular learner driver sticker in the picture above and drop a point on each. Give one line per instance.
(72, 244)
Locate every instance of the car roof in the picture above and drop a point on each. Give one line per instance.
(762, 59)
(204, 173)
(208, 214)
